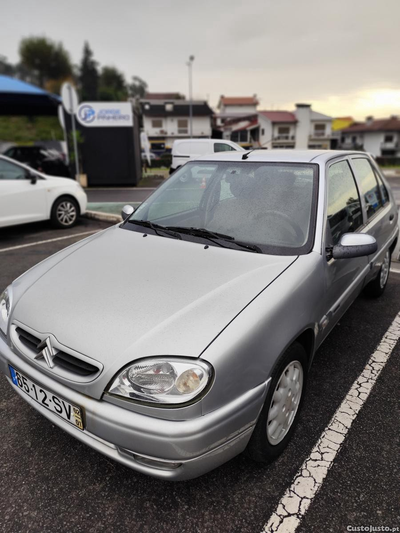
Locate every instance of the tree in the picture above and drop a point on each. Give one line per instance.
(48, 59)
(6, 68)
(112, 85)
(138, 87)
(88, 75)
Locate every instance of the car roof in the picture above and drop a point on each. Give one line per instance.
(177, 141)
(294, 156)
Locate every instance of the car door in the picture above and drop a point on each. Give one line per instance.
(379, 211)
(344, 278)
(21, 200)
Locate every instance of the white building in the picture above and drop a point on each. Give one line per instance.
(165, 121)
(301, 129)
(379, 137)
(313, 130)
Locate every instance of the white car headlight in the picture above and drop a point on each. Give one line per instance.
(5, 309)
(163, 381)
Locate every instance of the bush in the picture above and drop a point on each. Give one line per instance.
(164, 161)
(386, 161)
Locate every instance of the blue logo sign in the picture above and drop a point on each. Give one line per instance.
(87, 114)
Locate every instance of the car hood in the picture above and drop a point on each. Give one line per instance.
(124, 295)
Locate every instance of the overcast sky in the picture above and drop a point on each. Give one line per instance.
(342, 56)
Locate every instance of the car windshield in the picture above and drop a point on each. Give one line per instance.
(270, 205)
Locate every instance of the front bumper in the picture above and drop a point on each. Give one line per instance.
(167, 449)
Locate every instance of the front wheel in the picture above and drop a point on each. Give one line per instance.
(376, 287)
(280, 413)
(64, 213)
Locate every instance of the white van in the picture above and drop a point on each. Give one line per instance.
(186, 149)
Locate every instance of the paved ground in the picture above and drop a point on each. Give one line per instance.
(118, 195)
(52, 483)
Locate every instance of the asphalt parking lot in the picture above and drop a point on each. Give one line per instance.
(53, 483)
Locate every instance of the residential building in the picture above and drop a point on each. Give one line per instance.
(277, 129)
(302, 128)
(339, 124)
(313, 130)
(233, 105)
(379, 137)
(167, 120)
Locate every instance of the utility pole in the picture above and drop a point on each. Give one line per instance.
(189, 64)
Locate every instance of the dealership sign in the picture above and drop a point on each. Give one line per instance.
(105, 114)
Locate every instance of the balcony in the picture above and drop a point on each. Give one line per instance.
(284, 138)
(392, 145)
(351, 145)
(320, 135)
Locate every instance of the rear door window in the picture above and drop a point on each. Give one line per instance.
(369, 186)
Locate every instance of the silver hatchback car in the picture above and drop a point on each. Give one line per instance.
(183, 336)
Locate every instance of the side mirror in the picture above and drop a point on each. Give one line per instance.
(32, 177)
(127, 211)
(354, 245)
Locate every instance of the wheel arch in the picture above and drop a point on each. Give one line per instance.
(66, 196)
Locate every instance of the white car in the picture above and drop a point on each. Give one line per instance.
(189, 149)
(27, 195)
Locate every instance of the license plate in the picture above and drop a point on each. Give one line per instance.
(50, 401)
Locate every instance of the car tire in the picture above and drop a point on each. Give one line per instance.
(376, 287)
(64, 213)
(279, 416)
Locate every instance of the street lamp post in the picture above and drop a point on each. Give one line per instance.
(189, 64)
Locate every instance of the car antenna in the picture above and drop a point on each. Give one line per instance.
(246, 155)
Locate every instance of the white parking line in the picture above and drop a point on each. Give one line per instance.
(310, 477)
(49, 240)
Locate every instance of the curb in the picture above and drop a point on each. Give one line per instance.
(105, 217)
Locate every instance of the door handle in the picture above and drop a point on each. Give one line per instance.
(391, 217)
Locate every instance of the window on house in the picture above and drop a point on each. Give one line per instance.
(156, 123)
(262, 131)
(243, 136)
(388, 138)
(182, 125)
(344, 206)
(283, 130)
(319, 130)
(235, 136)
(368, 184)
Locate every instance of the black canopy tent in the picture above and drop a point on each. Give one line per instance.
(20, 98)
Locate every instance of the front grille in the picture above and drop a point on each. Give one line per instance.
(61, 359)
(28, 340)
(73, 364)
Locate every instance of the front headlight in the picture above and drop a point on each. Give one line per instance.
(5, 309)
(162, 381)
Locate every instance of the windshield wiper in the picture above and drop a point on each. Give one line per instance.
(201, 232)
(155, 227)
(211, 235)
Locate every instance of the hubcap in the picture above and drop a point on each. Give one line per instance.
(385, 270)
(285, 402)
(66, 213)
